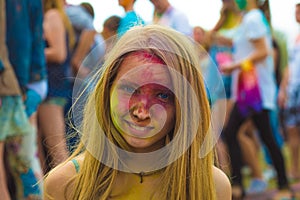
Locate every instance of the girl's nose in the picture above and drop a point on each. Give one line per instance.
(141, 111)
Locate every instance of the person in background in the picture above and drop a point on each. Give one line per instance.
(228, 26)
(25, 45)
(230, 18)
(142, 101)
(92, 44)
(252, 50)
(130, 19)
(60, 41)
(167, 15)
(88, 57)
(280, 56)
(13, 120)
(289, 101)
(80, 18)
(200, 36)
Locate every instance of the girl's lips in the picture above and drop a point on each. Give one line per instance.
(138, 130)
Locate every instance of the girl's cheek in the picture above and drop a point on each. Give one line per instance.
(120, 103)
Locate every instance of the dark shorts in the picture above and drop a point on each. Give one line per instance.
(292, 108)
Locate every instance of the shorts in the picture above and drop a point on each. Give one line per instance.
(59, 101)
(292, 109)
(13, 118)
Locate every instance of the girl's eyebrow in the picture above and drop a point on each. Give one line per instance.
(125, 81)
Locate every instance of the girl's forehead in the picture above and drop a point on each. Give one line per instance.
(142, 69)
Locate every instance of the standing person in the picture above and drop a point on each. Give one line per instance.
(60, 40)
(82, 20)
(26, 54)
(89, 56)
(230, 18)
(227, 26)
(289, 101)
(167, 15)
(252, 48)
(79, 17)
(92, 47)
(130, 19)
(13, 119)
(88, 41)
(143, 102)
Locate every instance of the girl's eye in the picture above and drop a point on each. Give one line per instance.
(164, 96)
(127, 88)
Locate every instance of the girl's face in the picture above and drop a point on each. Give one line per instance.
(142, 103)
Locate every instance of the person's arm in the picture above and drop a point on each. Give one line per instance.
(55, 34)
(260, 52)
(282, 93)
(223, 186)
(85, 43)
(220, 40)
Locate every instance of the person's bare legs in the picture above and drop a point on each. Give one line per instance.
(41, 152)
(3, 185)
(293, 142)
(52, 126)
(250, 150)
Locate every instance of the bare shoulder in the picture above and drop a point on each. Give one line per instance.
(52, 14)
(53, 19)
(223, 186)
(58, 179)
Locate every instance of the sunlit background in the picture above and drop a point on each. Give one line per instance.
(203, 13)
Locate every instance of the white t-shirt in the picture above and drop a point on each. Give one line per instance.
(177, 20)
(254, 26)
(294, 64)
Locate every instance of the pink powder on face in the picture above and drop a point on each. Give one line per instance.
(150, 56)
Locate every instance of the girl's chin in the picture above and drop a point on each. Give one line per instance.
(144, 145)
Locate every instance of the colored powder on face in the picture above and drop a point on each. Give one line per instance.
(149, 56)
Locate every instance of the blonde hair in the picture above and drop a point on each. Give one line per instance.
(59, 5)
(188, 177)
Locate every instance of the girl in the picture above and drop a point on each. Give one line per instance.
(143, 125)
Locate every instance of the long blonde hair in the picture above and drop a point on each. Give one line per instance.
(188, 177)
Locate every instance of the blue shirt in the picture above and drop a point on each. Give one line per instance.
(24, 39)
(130, 20)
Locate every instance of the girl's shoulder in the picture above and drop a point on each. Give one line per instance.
(53, 19)
(59, 178)
(52, 14)
(222, 183)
